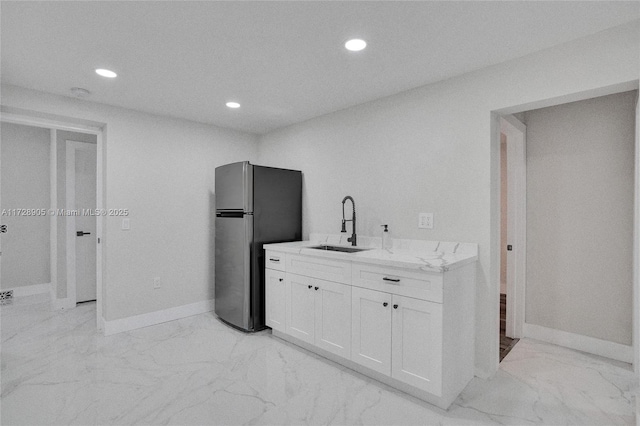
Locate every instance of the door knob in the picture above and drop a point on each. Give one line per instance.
(81, 233)
(310, 286)
(395, 306)
(385, 304)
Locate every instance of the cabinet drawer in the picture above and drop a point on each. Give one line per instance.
(275, 260)
(410, 283)
(325, 269)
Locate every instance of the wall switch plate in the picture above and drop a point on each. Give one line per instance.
(126, 225)
(156, 282)
(425, 220)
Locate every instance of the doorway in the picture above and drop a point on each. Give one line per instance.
(581, 169)
(62, 129)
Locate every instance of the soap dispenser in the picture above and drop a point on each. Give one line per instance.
(386, 238)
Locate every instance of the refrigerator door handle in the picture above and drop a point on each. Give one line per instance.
(248, 246)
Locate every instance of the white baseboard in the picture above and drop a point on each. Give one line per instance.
(482, 373)
(157, 317)
(30, 290)
(579, 342)
(58, 304)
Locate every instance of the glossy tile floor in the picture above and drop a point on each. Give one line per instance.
(56, 369)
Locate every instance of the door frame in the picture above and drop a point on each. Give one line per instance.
(70, 196)
(516, 131)
(636, 252)
(495, 206)
(69, 124)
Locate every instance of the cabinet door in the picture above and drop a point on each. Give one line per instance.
(417, 343)
(275, 300)
(300, 307)
(371, 329)
(333, 317)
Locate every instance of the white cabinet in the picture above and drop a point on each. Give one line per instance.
(319, 312)
(416, 352)
(410, 283)
(275, 299)
(409, 328)
(274, 260)
(301, 307)
(333, 317)
(398, 336)
(337, 271)
(371, 329)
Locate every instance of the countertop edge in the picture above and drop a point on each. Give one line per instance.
(374, 256)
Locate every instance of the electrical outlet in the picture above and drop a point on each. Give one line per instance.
(156, 282)
(425, 220)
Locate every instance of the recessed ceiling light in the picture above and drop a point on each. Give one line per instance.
(106, 73)
(355, 45)
(233, 105)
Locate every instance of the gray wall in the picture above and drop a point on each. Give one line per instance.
(580, 170)
(61, 172)
(25, 185)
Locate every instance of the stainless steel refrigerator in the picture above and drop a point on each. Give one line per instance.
(255, 205)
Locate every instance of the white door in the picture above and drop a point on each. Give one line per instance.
(81, 232)
(371, 329)
(301, 301)
(275, 299)
(515, 133)
(3, 227)
(417, 343)
(333, 317)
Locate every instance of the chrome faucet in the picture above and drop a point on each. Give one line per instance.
(352, 240)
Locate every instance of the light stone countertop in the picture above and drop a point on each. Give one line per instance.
(428, 256)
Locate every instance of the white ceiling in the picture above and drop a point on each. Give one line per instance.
(283, 61)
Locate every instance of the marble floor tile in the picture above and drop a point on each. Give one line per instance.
(56, 369)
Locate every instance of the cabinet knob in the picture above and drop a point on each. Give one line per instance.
(385, 304)
(280, 279)
(395, 306)
(317, 288)
(310, 286)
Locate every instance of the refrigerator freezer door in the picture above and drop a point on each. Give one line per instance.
(234, 187)
(234, 235)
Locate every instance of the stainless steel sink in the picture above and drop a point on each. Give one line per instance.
(342, 249)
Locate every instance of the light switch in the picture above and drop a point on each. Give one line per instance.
(126, 225)
(425, 220)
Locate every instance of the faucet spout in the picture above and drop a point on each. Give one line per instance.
(353, 238)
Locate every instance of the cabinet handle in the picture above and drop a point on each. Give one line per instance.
(280, 279)
(385, 304)
(273, 259)
(395, 306)
(317, 288)
(310, 286)
(395, 280)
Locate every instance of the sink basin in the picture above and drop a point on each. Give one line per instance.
(342, 249)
